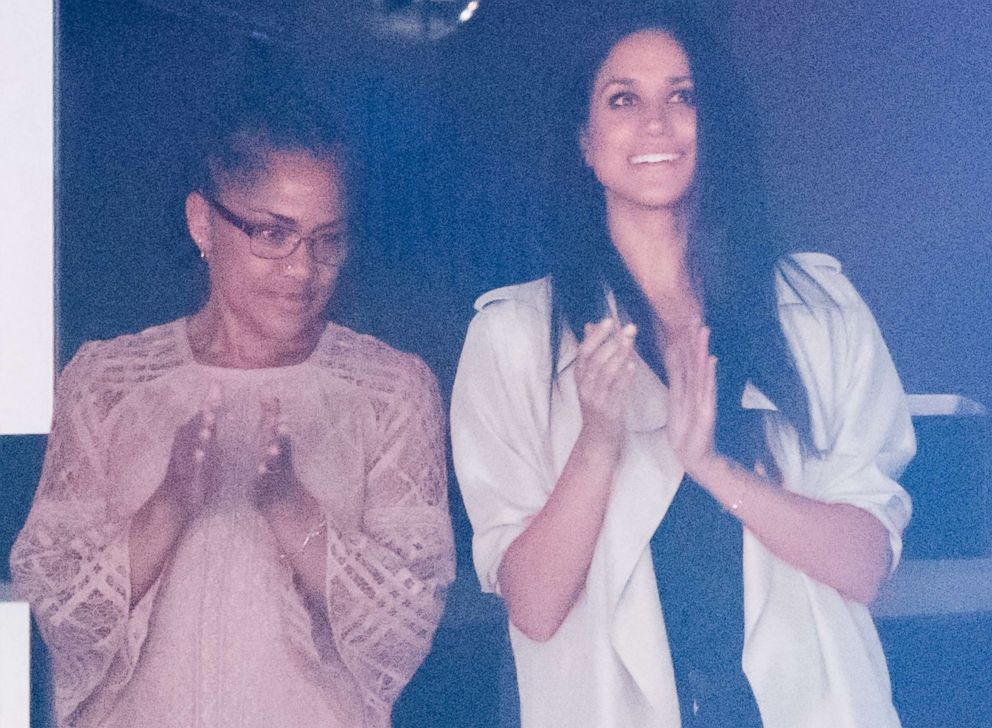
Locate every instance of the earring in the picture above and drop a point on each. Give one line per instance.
(203, 256)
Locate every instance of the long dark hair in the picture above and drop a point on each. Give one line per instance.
(733, 250)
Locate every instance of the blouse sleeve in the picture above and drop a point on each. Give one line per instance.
(71, 561)
(862, 428)
(386, 582)
(500, 408)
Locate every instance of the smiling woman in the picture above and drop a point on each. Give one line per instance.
(640, 138)
(242, 517)
(679, 450)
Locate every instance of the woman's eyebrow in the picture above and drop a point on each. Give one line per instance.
(279, 218)
(339, 223)
(294, 223)
(632, 82)
(620, 81)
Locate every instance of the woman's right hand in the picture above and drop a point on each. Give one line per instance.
(603, 370)
(158, 524)
(544, 570)
(184, 488)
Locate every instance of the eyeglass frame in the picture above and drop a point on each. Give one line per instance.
(251, 228)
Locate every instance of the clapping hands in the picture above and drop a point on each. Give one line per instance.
(188, 484)
(603, 372)
(691, 373)
(276, 490)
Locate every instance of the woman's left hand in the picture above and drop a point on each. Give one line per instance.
(277, 492)
(691, 373)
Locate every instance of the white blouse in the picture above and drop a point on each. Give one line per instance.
(812, 656)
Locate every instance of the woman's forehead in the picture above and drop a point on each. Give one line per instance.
(277, 167)
(645, 51)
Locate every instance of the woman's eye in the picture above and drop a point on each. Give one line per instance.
(274, 236)
(621, 99)
(330, 241)
(685, 96)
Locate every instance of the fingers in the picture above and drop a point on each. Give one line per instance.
(275, 456)
(604, 343)
(688, 362)
(205, 423)
(691, 371)
(605, 361)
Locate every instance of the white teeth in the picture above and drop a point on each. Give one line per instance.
(654, 158)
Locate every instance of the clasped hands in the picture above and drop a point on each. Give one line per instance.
(603, 375)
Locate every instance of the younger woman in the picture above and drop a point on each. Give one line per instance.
(679, 450)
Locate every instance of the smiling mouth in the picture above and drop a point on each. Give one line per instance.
(658, 158)
(292, 300)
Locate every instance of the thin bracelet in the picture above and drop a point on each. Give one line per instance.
(306, 541)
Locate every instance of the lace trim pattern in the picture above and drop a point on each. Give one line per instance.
(386, 571)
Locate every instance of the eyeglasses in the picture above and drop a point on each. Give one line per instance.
(274, 242)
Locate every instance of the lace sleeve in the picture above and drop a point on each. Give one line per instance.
(70, 560)
(386, 583)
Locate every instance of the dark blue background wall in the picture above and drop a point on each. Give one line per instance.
(877, 142)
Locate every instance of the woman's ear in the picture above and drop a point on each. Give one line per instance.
(198, 222)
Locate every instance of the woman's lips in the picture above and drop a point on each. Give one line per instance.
(655, 158)
(291, 301)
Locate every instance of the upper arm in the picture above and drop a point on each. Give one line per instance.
(860, 420)
(406, 500)
(499, 415)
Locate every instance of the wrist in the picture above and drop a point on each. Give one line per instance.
(301, 544)
(159, 519)
(599, 446)
(710, 470)
(727, 481)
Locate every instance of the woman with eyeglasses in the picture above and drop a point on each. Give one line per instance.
(242, 518)
(679, 450)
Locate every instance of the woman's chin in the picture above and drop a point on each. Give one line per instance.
(290, 330)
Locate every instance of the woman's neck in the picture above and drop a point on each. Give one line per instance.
(219, 340)
(654, 246)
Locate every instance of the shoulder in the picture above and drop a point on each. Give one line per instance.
(517, 313)
(535, 295)
(508, 341)
(829, 327)
(371, 365)
(814, 281)
(106, 370)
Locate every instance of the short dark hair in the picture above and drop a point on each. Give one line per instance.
(266, 118)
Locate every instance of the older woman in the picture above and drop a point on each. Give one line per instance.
(679, 451)
(242, 517)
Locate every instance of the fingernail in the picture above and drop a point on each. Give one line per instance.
(263, 468)
(199, 455)
(273, 450)
(204, 434)
(630, 330)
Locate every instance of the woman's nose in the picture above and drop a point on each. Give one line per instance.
(658, 121)
(300, 262)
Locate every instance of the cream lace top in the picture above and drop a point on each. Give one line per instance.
(224, 638)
